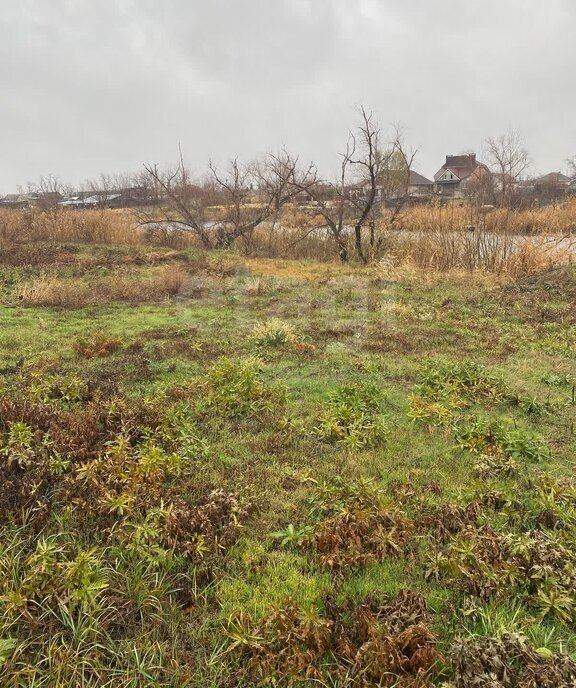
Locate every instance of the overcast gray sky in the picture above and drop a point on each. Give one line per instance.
(103, 86)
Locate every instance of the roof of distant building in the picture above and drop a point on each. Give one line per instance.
(553, 178)
(417, 179)
(461, 166)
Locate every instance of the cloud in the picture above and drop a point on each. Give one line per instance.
(90, 87)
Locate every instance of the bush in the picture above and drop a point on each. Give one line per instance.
(352, 417)
(466, 381)
(237, 388)
(276, 333)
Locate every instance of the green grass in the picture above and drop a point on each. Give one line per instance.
(158, 472)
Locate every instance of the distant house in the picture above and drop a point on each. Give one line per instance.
(457, 176)
(420, 190)
(356, 191)
(72, 202)
(19, 200)
(419, 185)
(394, 189)
(550, 187)
(107, 200)
(553, 180)
(118, 198)
(42, 200)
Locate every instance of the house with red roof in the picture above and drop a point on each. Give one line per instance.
(458, 175)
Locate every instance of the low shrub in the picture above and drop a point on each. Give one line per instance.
(98, 345)
(236, 388)
(365, 644)
(352, 417)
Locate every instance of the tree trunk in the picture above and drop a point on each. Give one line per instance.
(358, 243)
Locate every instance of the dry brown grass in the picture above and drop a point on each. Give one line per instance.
(476, 251)
(431, 237)
(296, 243)
(127, 286)
(59, 225)
(552, 220)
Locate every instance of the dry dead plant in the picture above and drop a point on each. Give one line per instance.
(52, 291)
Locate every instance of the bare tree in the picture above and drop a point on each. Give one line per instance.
(572, 165)
(182, 203)
(394, 179)
(509, 161)
(100, 187)
(369, 175)
(105, 186)
(49, 190)
(332, 201)
(231, 203)
(386, 175)
(371, 164)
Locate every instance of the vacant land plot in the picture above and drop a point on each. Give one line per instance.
(218, 472)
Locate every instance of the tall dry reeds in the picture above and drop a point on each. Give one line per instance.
(433, 236)
(101, 226)
(502, 254)
(498, 240)
(292, 243)
(550, 220)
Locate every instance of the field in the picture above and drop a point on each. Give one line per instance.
(231, 471)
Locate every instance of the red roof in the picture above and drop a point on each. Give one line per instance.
(461, 166)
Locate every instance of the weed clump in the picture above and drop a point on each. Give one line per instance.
(30, 467)
(237, 388)
(82, 431)
(464, 383)
(447, 389)
(360, 536)
(278, 334)
(369, 644)
(497, 438)
(489, 466)
(538, 567)
(352, 417)
(351, 526)
(98, 345)
(207, 528)
(52, 575)
(509, 661)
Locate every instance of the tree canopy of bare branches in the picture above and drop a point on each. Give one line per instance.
(230, 204)
(509, 161)
(370, 174)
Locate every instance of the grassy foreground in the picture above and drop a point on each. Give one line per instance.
(227, 472)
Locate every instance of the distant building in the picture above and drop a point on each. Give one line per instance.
(19, 200)
(117, 198)
(458, 175)
(45, 199)
(553, 180)
(549, 188)
(394, 188)
(419, 185)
